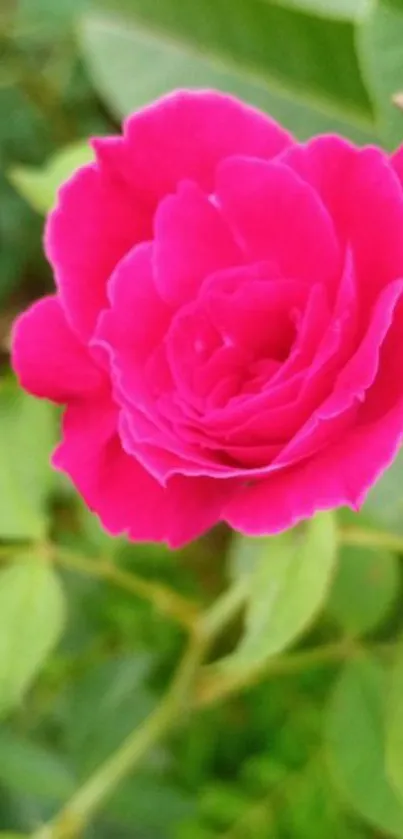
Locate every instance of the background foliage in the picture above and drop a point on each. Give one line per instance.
(297, 729)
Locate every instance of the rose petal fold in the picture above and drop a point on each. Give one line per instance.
(277, 216)
(124, 495)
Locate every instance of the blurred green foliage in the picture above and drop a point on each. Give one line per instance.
(307, 743)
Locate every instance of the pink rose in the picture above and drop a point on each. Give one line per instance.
(227, 328)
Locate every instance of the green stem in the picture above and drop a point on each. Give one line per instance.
(86, 802)
(214, 686)
(366, 537)
(224, 609)
(163, 599)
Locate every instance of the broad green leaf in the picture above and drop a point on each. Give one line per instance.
(355, 741)
(105, 705)
(39, 186)
(365, 588)
(334, 9)
(394, 725)
(27, 433)
(31, 769)
(379, 40)
(384, 505)
(32, 613)
(47, 14)
(12, 835)
(291, 49)
(133, 61)
(288, 584)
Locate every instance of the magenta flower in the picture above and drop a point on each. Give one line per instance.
(227, 328)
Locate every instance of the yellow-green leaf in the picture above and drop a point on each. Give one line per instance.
(32, 613)
(27, 436)
(288, 578)
(39, 186)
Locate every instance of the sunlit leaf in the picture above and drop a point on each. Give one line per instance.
(288, 578)
(133, 62)
(334, 9)
(39, 186)
(32, 613)
(379, 39)
(27, 432)
(304, 54)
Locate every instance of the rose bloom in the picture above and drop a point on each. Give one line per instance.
(227, 330)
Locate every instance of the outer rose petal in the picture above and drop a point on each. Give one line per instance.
(340, 475)
(184, 136)
(97, 220)
(123, 494)
(107, 207)
(48, 357)
(362, 191)
(326, 163)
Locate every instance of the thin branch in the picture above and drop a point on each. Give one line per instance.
(366, 537)
(161, 597)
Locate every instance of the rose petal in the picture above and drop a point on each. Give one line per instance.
(47, 356)
(257, 314)
(326, 164)
(362, 191)
(278, 216)
(96, 221)
(191, 240)
(340, 475)
(136, 321)
(125, 496)
(184, 136)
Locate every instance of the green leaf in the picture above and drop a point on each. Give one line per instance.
(336, 9)
(32, 613)
(288, 48)
(134, 61)
(39, 186)
(27, 433)
(384, 505)
(380, 40)
(355, 742)
(364, 590)
(11, 835)
(105, 705)
(31, 769)
(47, 14)
(288, 579)
(394, 725)
(288, 586)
